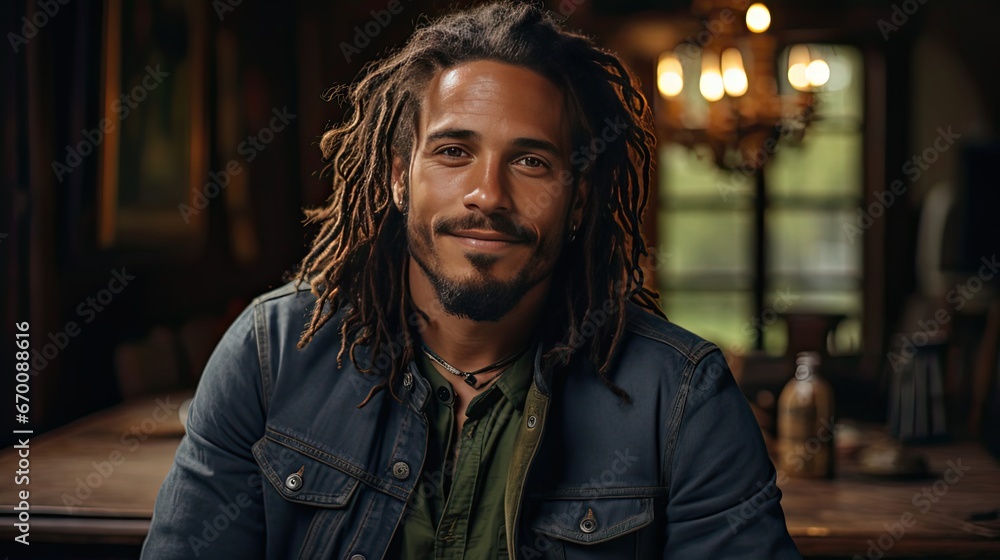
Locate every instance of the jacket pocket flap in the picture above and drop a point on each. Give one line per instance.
(591, 520)
(301, 477)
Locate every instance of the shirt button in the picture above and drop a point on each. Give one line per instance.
(401, 470)
(444, 395)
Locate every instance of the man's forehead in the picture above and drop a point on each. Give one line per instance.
(485, 79)
(515, 95)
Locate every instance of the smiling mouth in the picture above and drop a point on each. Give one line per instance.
(483, 239)
(486, 235)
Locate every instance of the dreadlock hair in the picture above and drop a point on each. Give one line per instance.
(356, 262)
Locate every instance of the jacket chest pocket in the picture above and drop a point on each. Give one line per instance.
(307, 500)
(588, 528)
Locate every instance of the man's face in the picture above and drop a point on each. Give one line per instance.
(488, 215)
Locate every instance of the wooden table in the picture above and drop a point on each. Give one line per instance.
(95, 480)
(858, 516)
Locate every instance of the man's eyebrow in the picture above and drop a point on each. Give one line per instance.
(465, 134)
(537, 144)
(454, 134)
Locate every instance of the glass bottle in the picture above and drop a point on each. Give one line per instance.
(806, 422)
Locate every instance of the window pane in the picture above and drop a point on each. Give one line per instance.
(722, 317)
(686, 173)
(807, 245)
(706, 242)
(802, 301)
(826, 165)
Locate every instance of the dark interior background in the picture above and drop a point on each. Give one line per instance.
(939, 68)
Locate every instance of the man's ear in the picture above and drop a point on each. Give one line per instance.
(399, 183)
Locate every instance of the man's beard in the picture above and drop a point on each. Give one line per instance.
(484, 298)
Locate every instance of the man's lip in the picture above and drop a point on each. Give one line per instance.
(485, 235)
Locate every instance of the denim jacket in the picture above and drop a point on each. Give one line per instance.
(279, 462)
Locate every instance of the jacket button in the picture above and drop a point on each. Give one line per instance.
(589, 523)
(401, 470)
(357, 557)
(532, 421)
(407, 379)
(293, 482)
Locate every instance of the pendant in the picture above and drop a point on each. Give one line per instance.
(471, 380)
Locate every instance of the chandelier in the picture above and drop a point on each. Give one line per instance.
(718, 87)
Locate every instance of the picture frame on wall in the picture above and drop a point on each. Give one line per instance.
(154, 157)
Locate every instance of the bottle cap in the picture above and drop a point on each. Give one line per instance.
(805, 363)
(810, 359)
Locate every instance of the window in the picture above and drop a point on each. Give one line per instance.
(811, 189)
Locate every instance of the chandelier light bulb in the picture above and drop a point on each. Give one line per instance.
(798, 63)
(818, 72)
(798, 77)
(734, 77)
(758, 18)
(669, 75)
(710, 84)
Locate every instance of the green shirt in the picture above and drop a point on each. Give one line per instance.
(457, 510)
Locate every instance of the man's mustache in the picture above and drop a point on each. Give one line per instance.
(497, 222)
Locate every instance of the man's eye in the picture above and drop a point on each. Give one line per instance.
(454, 152)
(531, 161)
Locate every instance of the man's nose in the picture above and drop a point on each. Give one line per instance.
(489, 191)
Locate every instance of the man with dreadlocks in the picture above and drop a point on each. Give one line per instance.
(482, 373)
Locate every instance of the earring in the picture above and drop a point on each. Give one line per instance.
(397, 198)
(572, 234)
